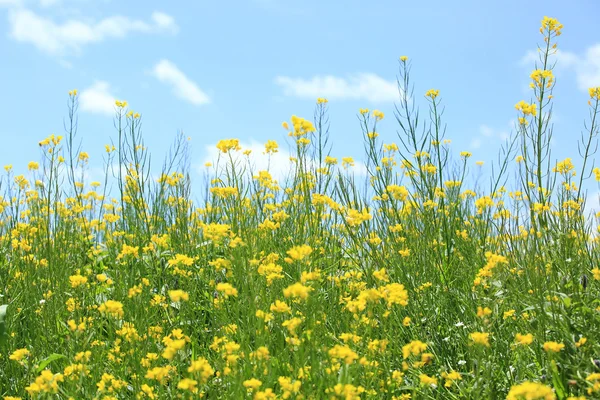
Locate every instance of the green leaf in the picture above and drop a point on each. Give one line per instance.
(48, 360)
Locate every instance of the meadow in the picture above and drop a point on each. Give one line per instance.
(405, 284)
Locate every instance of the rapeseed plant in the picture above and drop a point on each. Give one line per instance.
(409, 285)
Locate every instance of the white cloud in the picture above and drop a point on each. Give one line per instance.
(97, 99)
(357, 87)
(70, 36)
(585, 66)
(184, 88)
(475, 143)
(489, 135)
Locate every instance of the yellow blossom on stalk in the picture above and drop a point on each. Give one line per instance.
(280, 307)
(413, 348)
(395, 293)
(526, 108)
(523, 340)
(33, 166)
(427, 380)
(112, 308)
(594, 93)
(378, 114)
(553, 347)
(227, 290)
(581, 342)
(226, 145)
(271, 147)
(120, 104)
(127, 250)
(301, 127)
(188, 384)
(299, 253)
(339, 352)
(565, 167)
(381, 275)
(347, 162)
(160, 374)
(77, 280)
(322, 100)
(451, 377)
(531, 391)
(330, 160)
(201, 368)
(252, 384)
(19, 355)
(481, 338)
(551, 25)
(542, 78)
(403, 58)
(432, 93)
(181, 259)
(355, 217)
(178, 295)
(596, 274)
(297, 290)
(47, 382)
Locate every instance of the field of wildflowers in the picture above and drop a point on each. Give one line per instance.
(411, 286)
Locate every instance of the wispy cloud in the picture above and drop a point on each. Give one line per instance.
(586, 66)
(183, 87)
(98, 99)
(488, 135)
(71, 36)
(365, 86)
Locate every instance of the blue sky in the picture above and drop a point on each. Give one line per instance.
(223, 69)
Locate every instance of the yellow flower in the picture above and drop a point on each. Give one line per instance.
(531, 391)
(227, 290)
(481, 338)
(403, 58)
(33, 166)
(427, 380)
(299, 253)
(19, 354)
(551, 25)
(594, 93)
(271, 147)
(432, 93)
(524, 340)
(414, 348)
(77, 280)
(252, 384)
(297, 290)
(378, 114)
(178, 295)
(280, 307)
(112, 308)
(553, 347)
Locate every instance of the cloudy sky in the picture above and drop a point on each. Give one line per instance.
(221, 69)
